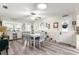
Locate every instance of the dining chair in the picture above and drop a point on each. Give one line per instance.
(4, 45)
(31, 41)
(26, 39)
(40, 40)
(37, 39)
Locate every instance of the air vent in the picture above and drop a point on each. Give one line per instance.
(65, 15)
(33, 14)
(5, 7)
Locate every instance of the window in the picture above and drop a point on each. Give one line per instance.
(12, 26)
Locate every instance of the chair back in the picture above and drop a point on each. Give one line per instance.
(4, 44)
(37, 38)
(42, 37)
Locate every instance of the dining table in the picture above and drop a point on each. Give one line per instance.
(33, 35)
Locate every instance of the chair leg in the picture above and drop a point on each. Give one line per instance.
(39, 44)
(25, 44)
(42, 44)
(30, 44)
(7, 51)
(0, 52)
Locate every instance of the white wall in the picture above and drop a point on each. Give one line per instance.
(77, 35)
(66, 37)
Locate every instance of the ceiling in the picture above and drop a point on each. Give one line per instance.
(20, 10)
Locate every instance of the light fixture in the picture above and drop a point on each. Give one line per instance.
(41, 6)
(5, 6)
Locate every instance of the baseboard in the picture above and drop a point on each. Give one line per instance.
(15, 39)
(67, 44)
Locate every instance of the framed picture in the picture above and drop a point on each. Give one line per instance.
(55, 25)
(48, 25)
(73, 22)
(77, 30)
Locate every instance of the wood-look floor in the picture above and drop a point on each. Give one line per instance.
(50, 48)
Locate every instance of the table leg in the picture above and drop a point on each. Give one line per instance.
(25, 43)
(34, 42)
